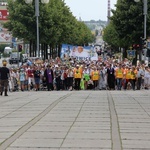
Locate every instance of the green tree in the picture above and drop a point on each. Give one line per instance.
(2, 47)
(57, 25)
(111, 36)
(128, 21)
(83, 34)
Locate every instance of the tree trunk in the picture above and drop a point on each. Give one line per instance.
(125, 52)
(30, 48)
(46, 51)
(59, 50)
(42, 51)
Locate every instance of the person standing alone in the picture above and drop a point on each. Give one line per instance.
(4, 75)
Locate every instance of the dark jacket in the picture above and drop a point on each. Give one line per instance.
(46, 76)
(4, 73)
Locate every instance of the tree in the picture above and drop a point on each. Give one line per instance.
(21, 20)
(2, 47)
(128, 21)
(111, 36)
(57, 25)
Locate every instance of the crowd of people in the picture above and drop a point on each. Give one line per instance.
(74, 74)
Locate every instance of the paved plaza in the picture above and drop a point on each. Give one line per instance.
(75, 120)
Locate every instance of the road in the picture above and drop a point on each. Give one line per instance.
(75, 120)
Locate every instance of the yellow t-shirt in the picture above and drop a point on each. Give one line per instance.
(119, 73)
(133, 74)
(95, 75)
(77, 73)
(128, 74)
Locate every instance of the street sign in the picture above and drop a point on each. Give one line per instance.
(14, 41)
(14, 44)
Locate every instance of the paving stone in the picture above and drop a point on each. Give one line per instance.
(43, 135)
(89, 135)
(79, 148)
(2, 140)
(81, 121)
(38, 143)
(135, 136)
(5, 135)
(54, 119)
(136, 144)
(49, 128)
(75, 143)
(54, 123)
(27, 148)
(9, 129)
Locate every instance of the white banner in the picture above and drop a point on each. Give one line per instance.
(79, 52)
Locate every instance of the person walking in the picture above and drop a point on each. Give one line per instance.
(57, 76)
(30, 76)
(140, 74)
(70, 79)
(127, 74)
(111, 77)
(147, 78)
(4, 76)
(77, 76)
(133, 77)
(102, 82)
(49, 76)
(119, 72)
(37, 77)
(95, 77)
(86, 76)
(22, 78)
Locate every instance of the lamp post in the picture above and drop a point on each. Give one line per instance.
(145, 15)
(37, 22)
(145, 21)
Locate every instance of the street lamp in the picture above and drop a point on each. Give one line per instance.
(37, 21)
(145, 14)
(145, 21)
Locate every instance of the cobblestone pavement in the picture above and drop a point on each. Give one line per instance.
(75, 120)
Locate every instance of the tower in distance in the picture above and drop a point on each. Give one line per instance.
(108, 11)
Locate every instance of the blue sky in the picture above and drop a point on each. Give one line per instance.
(90, 9)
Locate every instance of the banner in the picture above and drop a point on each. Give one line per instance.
(78, 52)
(5, 36)
(4, 14)
(131, 54)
